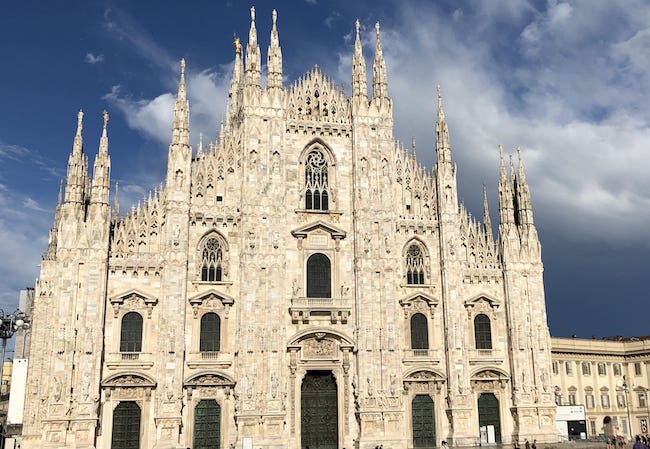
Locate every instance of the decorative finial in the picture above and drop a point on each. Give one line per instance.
(519, 153)
(252, 14)
(501, 152)
(413, 143)
(274, 14)
(357, 25)
(105, 116)
(377, 28)
(183, 67)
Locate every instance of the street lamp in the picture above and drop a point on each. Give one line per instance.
(9, 324)
(626, 389)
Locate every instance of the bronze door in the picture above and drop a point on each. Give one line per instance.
(207, 425)
(319, 411)
(488, 413)
(424, 424)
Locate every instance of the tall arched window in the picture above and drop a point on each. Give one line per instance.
(210, 340)
(482, 332)
(212, 260)
(414, 265)
(131, 335)
(419, 332)
(316, 181)
(207, 424)
(319, 273)
(126, 426)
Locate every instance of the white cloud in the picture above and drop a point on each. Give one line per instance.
(23, 237)
(94, 59)
(584, 139)
(207, 91)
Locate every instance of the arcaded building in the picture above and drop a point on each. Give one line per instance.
(302, 280)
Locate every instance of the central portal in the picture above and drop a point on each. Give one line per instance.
(319, 426)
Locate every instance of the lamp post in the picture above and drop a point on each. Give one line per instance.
(9, 324)
(626, 389)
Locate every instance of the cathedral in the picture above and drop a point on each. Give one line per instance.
(300, 281)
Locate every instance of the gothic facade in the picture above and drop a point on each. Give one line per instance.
(300, 281)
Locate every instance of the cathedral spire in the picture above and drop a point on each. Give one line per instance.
(103, 141)
(524, 209)
(274, 61)
(179, 155)
(506, 201)
(359, 81)
(253, 59)
(443, 148)
(487, 222)
(235, 83)
(181, 123)
(77, 146)
(379, 79)
(101, 169)
(76, 179)
(199, 151)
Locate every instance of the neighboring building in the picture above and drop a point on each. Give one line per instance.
(302, 281)
(14, 421)
(609, 377)
(6, 377)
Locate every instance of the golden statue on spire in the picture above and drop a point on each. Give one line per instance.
(237, 43)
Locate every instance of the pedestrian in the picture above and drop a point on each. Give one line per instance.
(526, 443)
(534, 445)
(639, 444)
(515, 444)
(444, 445)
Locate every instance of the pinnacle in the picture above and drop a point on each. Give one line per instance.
(80, 117)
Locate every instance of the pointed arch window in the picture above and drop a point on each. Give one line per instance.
(419, 333)
(316, 181)
(126, 426)
(212, 260)
(319, 274)
(131, 333)
(210, 340)
(414, 265)
(482, 332)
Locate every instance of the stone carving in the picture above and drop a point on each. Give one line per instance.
(56, 389)
(315, 347)
(274, 385)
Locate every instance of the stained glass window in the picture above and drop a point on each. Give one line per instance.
(414, 265)
(316, 181)
(211, 260)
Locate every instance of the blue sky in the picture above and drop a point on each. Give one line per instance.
(569, 81)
